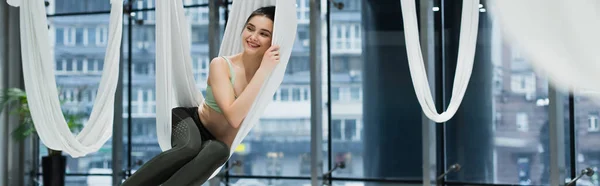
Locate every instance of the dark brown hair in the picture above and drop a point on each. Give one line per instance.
(267, 11)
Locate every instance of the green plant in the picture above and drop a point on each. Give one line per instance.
(26, 127)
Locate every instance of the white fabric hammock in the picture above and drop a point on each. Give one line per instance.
(175, 84)
(464, 67)
(40, 83)
(560, 39)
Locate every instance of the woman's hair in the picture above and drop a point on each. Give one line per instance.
(267, 11)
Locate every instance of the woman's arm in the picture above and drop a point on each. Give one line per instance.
(235, 110)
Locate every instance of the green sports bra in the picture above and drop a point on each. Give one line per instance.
(210, 97)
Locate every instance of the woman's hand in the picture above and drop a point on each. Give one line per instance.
(270, 58)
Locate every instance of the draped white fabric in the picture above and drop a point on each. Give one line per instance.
(40, 83)
(561, 39)
(464, 67)
(175, 84)
(15, 3)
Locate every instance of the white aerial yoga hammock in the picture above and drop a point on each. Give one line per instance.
(175, 84)
(464, 67)
(40, 83)
(559, 38)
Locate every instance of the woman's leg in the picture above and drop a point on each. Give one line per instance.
(186, 142)
(214, 153)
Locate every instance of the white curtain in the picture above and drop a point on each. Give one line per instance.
(464, 67)
(40, 83)
(561, 39)
(175, 84)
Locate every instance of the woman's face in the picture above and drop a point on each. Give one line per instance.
(256, 37)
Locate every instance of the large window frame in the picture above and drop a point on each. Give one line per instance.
(433, 134)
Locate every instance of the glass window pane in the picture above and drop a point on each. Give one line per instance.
(336, 129)
(355, 93)
(284, 92)
(91, 65)
(364, 149)
(296, 94)
(144, 141)
(100, 65)
(335, 93)
(500, 134)
(350, 129)
(91, 35)
(587, 135)
(59, 65)
(78, 95)
(70, 65)
(60, 36)
(79, 65)
(79, 36)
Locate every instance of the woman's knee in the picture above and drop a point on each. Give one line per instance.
(218, 149)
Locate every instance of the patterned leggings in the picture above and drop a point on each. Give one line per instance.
(191, 160)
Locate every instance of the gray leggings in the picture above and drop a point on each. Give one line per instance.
(192, 159)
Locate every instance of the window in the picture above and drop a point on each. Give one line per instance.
(100, 65)
(303, 38)
(336, 125)
(524, 170)
(91, 36)
(70, 36)
(61, 65)
(102, 35)
(142, 69)
(335, 93)
(284, 94)
(305, 164)
(306, 94)
(200, 68)
(516, 148)
(79, 36)
(298, 64)
(351, 5)
(355, 93)
(346, 38)
(593, 124)
(148, 101)
(79, 65)
(60, 36)
(199, 35)
(350, 129)
(345, 129)
(303, 11)
(522, 122)
(523, 83)
(340, 65)
(91, 65)
(70, 64)
(296, 94)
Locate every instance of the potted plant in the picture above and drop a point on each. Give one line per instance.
(53, 164)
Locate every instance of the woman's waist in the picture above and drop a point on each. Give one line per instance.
(217, 125)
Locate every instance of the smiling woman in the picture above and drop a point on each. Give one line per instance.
(202, 136)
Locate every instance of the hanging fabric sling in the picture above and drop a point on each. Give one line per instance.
(464, 67)
(41, 89)
(175, 84)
